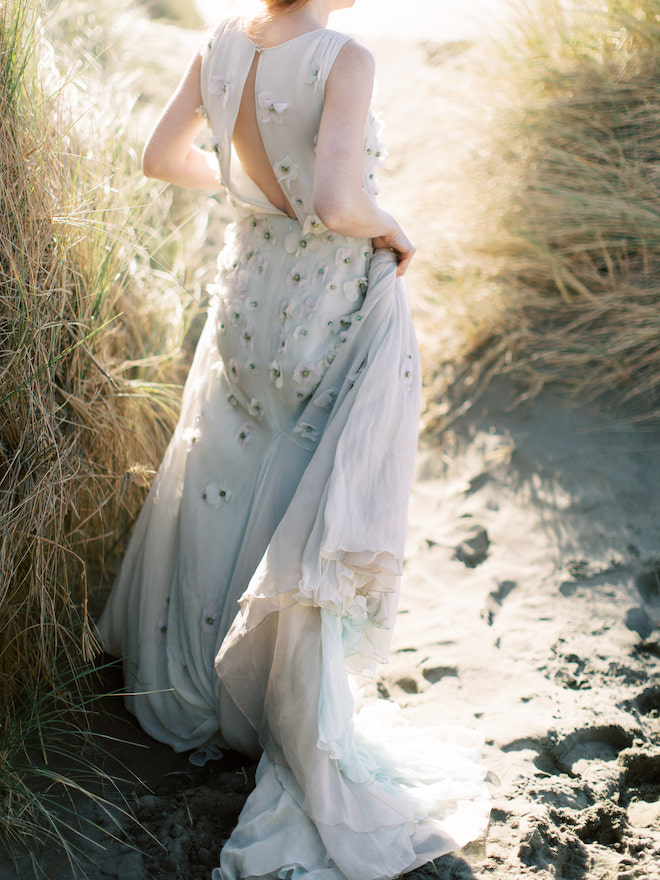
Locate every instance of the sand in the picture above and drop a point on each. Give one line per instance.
(530, 608)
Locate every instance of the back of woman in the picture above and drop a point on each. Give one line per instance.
(266, 562)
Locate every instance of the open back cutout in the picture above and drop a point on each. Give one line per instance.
(249, 145)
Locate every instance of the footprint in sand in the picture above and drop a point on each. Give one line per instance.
(598, 743)
(648, 702)
(495, 600)
(473, 549)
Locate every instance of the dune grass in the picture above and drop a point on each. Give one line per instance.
(92, 323)
(556, 278)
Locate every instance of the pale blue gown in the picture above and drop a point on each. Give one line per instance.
(265, 565)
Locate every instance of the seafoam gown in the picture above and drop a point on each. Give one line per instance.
(265, 565)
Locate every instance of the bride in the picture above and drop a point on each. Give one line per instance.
(263, 571)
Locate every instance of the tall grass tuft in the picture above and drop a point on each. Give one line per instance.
(557, 277)
(92, 322)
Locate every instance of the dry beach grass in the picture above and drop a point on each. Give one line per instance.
(528, 175)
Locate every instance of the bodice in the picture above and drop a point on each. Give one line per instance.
(289, 95)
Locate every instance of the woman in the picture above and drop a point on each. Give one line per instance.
(271, 543)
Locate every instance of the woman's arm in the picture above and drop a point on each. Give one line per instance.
(340, 200)
(169, 153)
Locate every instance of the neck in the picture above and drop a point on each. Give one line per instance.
(315, 12)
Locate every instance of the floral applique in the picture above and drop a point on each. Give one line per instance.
(259, 264)
(325, 399)
(312, 225)
(220, 86)
(287, 311)
(234, 370)
(240, 280)
(161, 629)
(271, 110)
(295, 244)
(372, 184)
(307, 431)
(256, 408)
(330, 324)
(344, 257)
(300, 332)
(215, 494)
(234, 315)
(210, 619)
(191, 436)
(353, 290)
(407, 372)
(306, 374)
(312, 75)
(285, 169)
(244, 434)
(246, 337)
(202, 112)
(296, 279)
(321, 273)
(267, 234)
(275, 374)
(308, 306)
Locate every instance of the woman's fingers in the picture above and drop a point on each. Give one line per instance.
(400, 245)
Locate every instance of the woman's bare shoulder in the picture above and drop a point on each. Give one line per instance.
(354, 67)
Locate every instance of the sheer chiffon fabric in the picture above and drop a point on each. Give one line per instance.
(264, 569)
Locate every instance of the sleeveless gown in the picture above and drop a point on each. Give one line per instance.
(264, 567)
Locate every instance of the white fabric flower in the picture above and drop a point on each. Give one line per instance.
(219, 85)
(312, 75)
(256, 408)
(296, 278)
(312, 225)
(326, 398)
(309, 432)
(215, 494)
(191, 435)
(344, 256)
(287, 311)
(247, 337)
(285, 169)
(275, 374)
(306, 374)
(353, 290)
(244, 434)
(210, 618)
(271, 110)
(234, 370)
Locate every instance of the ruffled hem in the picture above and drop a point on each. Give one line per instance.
(329, 790)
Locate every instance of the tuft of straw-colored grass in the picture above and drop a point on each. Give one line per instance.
(92, 339)
(50, 766)
(556, 276)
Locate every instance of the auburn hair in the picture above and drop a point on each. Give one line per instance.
(283, 4)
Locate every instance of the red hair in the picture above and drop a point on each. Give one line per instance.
(283, 4)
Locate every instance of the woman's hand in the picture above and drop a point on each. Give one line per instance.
(400, 245)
